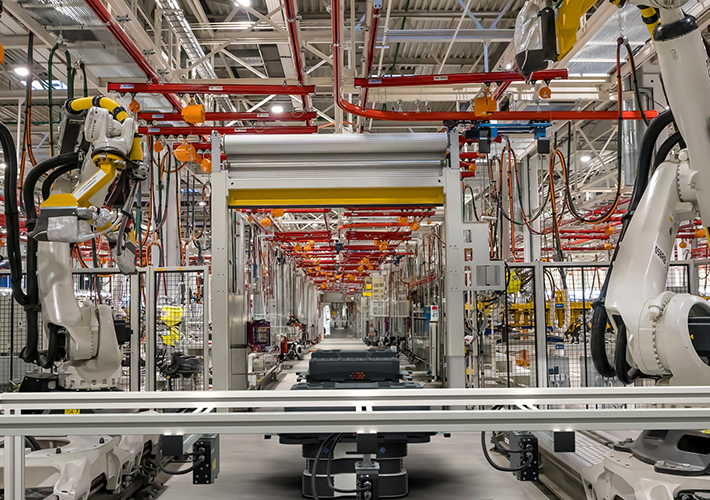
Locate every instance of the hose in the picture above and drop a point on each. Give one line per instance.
(159, 459)
(29, 353)
(600, 316)
(674, 140)
(528, 460)
(49, 97)
(12, 219)
(45, 166)
(46, 359)
(53, 176)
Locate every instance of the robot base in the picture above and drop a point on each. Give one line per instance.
(621, 475)
(70, 465)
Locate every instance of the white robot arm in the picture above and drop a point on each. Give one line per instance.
(661, 334)
(99, 139)
(666, 335)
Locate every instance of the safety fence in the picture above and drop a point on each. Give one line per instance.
(538, 332)
(171, 354)
(99, 286)
(179, 336)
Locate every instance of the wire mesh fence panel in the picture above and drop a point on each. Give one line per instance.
(180, 336)
(13, 337)
(515, 355)
(570, 292)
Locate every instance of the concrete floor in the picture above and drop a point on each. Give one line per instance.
(253, 468)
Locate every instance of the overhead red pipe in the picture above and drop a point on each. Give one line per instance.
(229, 116)
(227, 130)
(373, 235)
(371, 224)
(200, 88)
(461, 115)
(134, 52)
(291, 20)
(370, 54)
(499, 77)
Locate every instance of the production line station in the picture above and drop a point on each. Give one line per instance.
(370, 249)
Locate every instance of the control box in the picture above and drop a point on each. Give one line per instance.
(208, 470)
(521, 441)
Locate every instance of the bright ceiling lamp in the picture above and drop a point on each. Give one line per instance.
(22, 71)
(243, 3)
(277, 109)
(586, 159)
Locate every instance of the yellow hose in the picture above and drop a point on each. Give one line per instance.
(82, 103)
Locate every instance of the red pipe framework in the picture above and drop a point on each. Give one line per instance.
(454, 116)
(226, 130)
(229, 116)
(105, 16)
(200, 88)
(291, 20)
(371, 44)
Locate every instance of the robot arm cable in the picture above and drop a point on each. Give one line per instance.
(12, 216)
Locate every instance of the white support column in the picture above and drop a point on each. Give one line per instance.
(150, 329)
(540, 325)
(206, 326)
(221, 231)
(454, 305)
(531, 202)
(171, 230)
(135, 378)
(14, 478)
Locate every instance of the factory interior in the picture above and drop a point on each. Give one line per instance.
(369, 249)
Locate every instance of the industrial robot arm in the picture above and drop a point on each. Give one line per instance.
(98, 138)
(661, 334)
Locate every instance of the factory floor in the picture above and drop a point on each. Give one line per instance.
(254, 468)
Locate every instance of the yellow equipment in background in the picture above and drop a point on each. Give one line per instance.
(171, 316)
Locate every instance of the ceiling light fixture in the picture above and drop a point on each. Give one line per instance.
(22, 71)
(277, 109)
(243, 3)
(585, 159)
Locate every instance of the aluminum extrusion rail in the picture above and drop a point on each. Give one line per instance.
(353, 421)
(675, 396)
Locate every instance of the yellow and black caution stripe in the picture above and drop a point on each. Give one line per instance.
(82, 103)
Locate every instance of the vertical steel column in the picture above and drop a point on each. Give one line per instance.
(221, 232)
(693, 277)
(540, 324)
(454, 350)
(14, 480)
(135, 378)
(206, 326)
(150, 295)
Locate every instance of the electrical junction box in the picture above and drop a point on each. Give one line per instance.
(519, 441)
(208, 470)
(367, 480)
(432, 313)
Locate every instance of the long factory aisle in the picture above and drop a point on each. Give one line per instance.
(447, 469)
